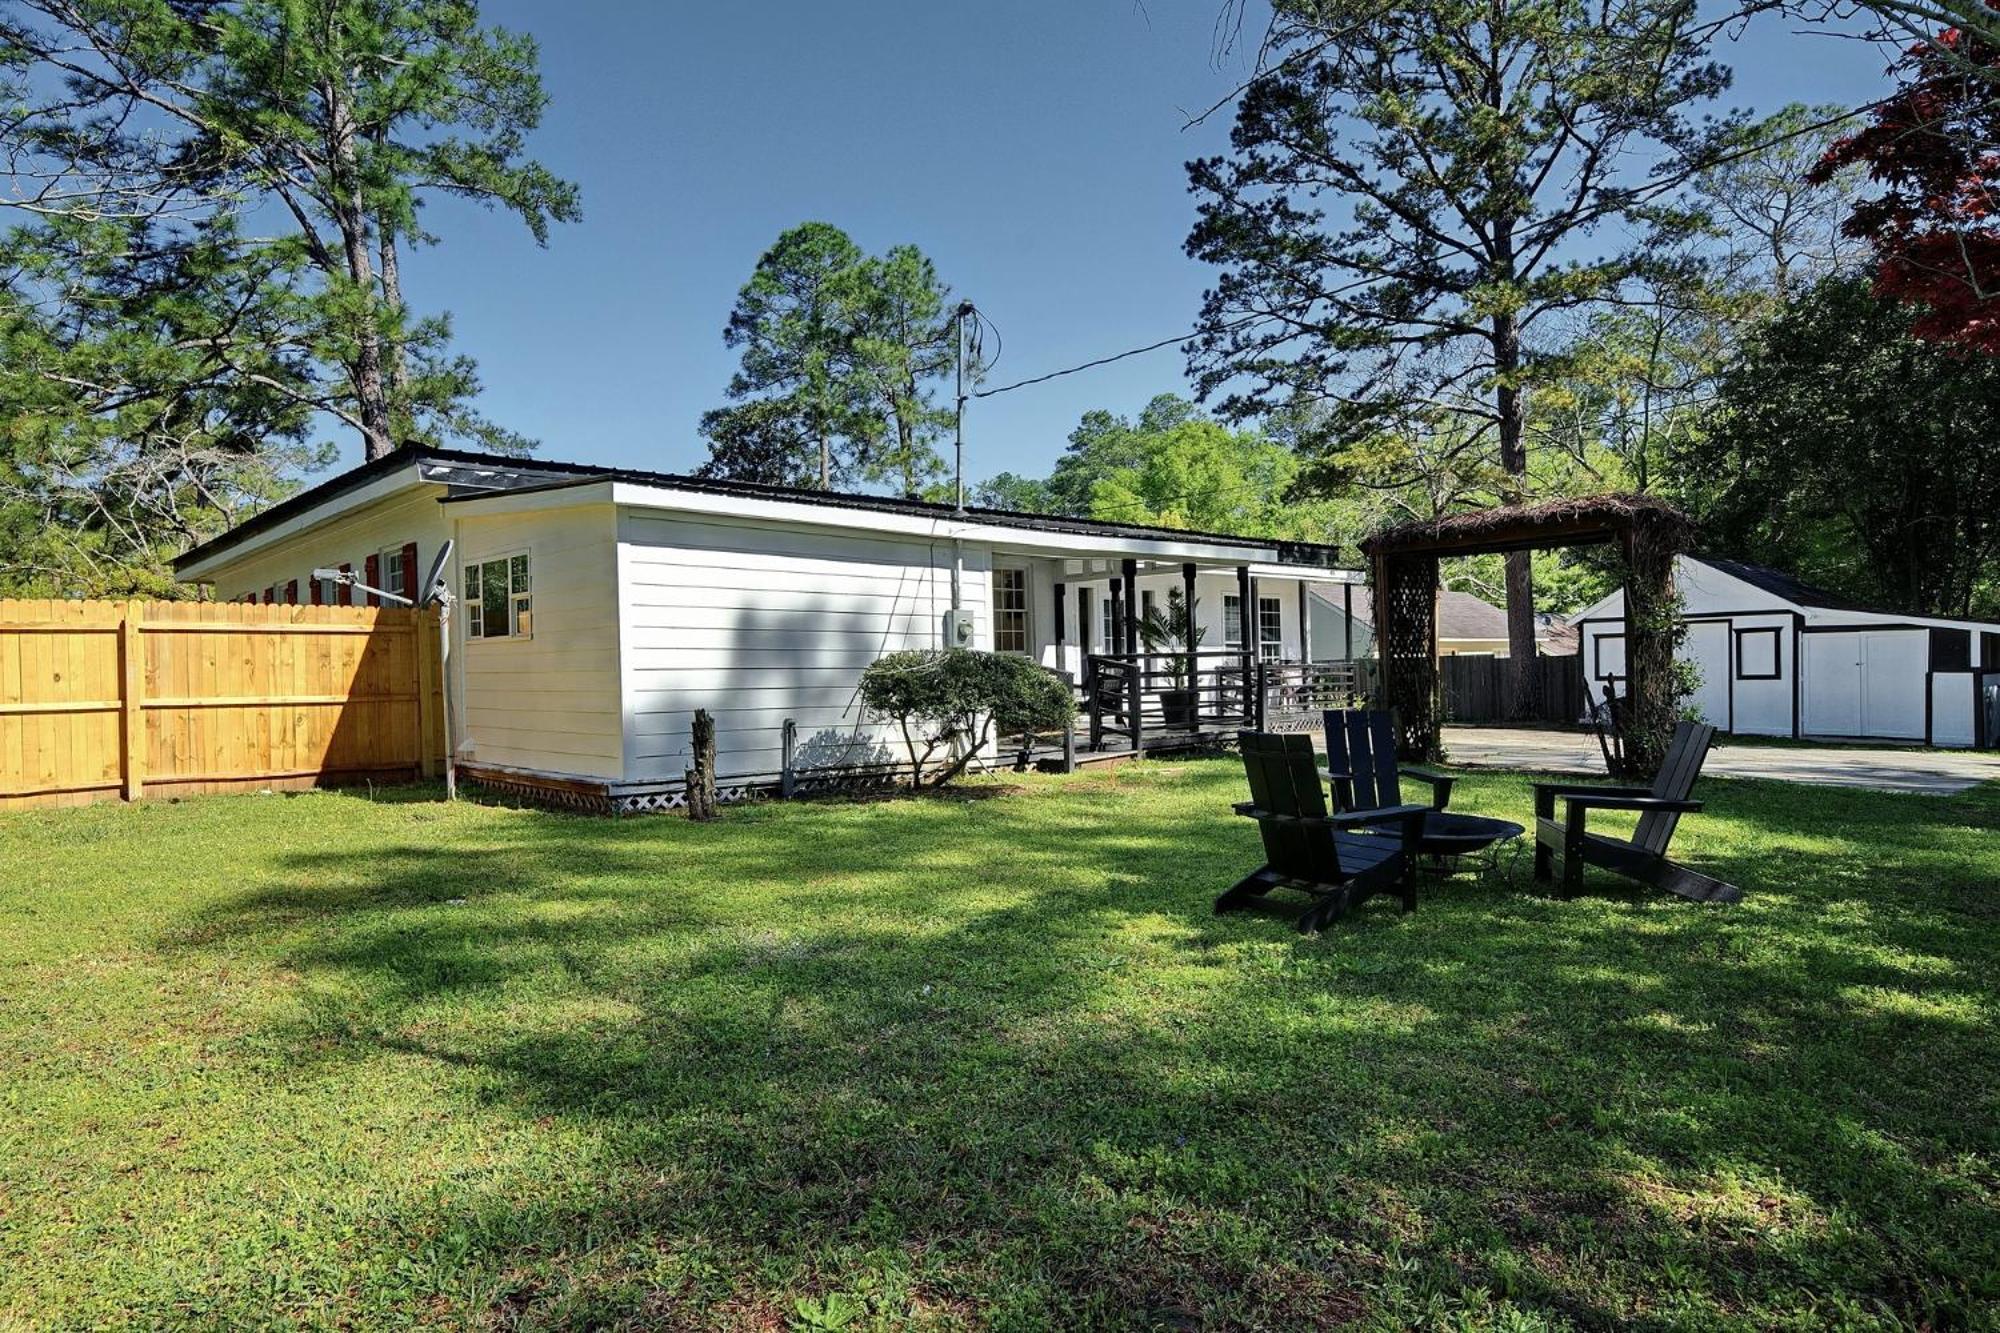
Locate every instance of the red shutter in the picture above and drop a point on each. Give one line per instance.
(292, 593)
(345, 597)
(410, 570)
(318, 592)
(373, 578)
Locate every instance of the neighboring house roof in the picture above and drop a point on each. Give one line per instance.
(465, 475)
(1464, 616)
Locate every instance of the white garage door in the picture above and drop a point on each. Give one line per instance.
(1707, 647)
(1866, 684)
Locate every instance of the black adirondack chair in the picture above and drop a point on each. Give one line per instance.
(1361, 763)
(1308, 849)
(1644, 856)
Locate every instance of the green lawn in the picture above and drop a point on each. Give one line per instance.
(986, 1063)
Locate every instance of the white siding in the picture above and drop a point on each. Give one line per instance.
(758, 622)
(1952, 708)
(547, 703)
(414, 516)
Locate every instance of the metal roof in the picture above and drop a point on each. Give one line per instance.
(466, 474)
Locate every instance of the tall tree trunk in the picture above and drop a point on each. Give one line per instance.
(1512, 411)
(396, 364)
(350, 214)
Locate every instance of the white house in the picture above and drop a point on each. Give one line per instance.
(601, 607)
(1780, 658)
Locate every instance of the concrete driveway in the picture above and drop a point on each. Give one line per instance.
(1928, 772)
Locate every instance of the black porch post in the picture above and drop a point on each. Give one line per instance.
(1189, 630)
(1129, 573)
(1062, 615)
(1246, 611)
(1246, 644)
(1117, 616)
(1083, 610)
(1305, 623)
(1347, 601)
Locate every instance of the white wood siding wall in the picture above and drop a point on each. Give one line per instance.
(547, 703)
(760, 622)
(350, 539)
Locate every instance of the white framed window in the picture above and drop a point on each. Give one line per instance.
(499, 598)
(1232, 621)
(1270, 628)
(1105, 638)
(1010, 610)
(393, 573)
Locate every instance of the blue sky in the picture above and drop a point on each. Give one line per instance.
(1033, 150)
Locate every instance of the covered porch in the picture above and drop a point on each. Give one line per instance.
(1175, 653)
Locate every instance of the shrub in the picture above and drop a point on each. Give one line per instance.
(954, 700)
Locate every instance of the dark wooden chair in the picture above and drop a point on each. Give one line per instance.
(1644, 856)
(1308, 849)
(1361, 763)
(1107, 698)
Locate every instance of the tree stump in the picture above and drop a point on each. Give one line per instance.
(701, 777)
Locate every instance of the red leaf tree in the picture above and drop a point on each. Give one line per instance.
(1935, 231)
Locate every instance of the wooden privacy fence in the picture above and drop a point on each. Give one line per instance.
(123, 699)
(1475, 688)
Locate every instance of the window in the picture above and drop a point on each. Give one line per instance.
(1609, 653)
(1270, 628)
(1106, 626)
(1232, 621)
(393, 573)
(1757, 654)
(498, 602)
(1146, 604)
(1010, 610)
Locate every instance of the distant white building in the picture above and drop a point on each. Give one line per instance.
(1466, 624)
(1778, 657)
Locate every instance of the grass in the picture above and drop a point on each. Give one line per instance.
(991, 1063)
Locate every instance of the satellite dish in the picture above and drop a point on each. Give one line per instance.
(434, 586)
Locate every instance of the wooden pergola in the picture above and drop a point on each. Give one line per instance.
(1404, 565)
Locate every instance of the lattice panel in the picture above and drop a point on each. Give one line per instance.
(1406, 643)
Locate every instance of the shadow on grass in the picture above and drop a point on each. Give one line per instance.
(998, 1059)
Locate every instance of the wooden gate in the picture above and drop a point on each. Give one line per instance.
(122, 699)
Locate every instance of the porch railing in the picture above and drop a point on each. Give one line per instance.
(1129, 699)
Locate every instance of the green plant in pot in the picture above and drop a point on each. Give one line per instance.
(1163, 630)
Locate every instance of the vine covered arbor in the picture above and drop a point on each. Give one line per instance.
(1404, 565)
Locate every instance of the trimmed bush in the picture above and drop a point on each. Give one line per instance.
(953, 700)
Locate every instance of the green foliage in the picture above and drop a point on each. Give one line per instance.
(1008, 490)
(1847, 450)
(1175, 467)
(842, 353)
(954, 700)
(1164, 630)
(378, 1062)
(214, 202)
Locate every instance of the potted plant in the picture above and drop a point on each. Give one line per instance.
(1162, 631)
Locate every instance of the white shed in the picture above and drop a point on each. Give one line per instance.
(1778, 657)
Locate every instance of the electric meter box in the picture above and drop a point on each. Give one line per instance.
(958, 629)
